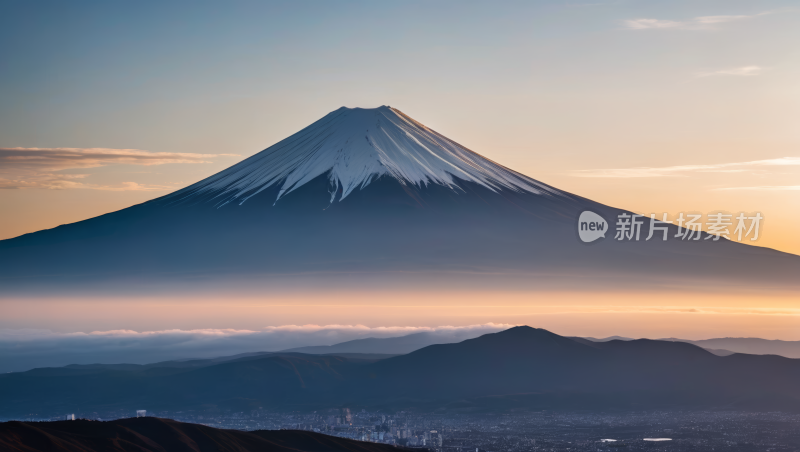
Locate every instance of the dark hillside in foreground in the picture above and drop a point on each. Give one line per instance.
(165, 435)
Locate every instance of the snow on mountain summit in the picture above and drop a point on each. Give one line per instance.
(355, 146)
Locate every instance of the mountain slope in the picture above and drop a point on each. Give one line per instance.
(353, 147)
(541, 369)
(161, 435)
(412, 342)
(277, 379)
(724, 346)
(749, 345)
(390, 345)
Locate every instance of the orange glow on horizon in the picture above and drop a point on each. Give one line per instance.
(652, 315)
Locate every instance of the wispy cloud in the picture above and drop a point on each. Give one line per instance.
(744, 71)
(39, 167)
(682, 170)
(696, 23)
(27, 349)
(53, 181)
(708, 20)
(763, 188)
(645, 24)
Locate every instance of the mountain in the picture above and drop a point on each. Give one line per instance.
(390, 345)
(749, 345)
(609, 338)
(182, 365)
(369, 193)
(725, 346)
(245, 383)
(521, 367)
(531, 367)
(149, 434)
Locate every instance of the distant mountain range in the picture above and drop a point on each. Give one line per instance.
(390, 345)
(179, 366)
(729, 345)
(17, 359)
(409, 343)
(751, 345)
(520, 367)
(151, 434)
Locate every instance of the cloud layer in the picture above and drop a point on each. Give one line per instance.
(683, 170)
(696, 23)
(763, 188)
(26, 349)
(39, 167)
(744, 71)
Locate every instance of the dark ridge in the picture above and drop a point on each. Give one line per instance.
(151, 434)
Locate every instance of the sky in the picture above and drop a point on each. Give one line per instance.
(655, 107)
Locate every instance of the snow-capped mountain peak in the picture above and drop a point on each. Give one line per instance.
(355, 146)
